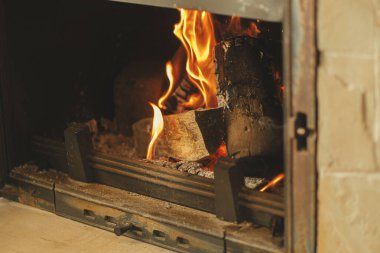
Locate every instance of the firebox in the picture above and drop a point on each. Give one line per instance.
(186, 124)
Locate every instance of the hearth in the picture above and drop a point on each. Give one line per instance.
(197, 138)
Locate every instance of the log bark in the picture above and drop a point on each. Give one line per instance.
(189, 136)
(247, 90)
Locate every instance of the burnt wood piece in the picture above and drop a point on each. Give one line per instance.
(78, 147)
(189, 136)
(228, 182)
(175, 103)
(247, 90)
(182, 88)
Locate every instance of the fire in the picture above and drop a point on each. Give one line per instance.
(169, 74)
(273, 182)
(196, 32)
(235, 28)
(157, 127)
(221, 152)
(195, 101)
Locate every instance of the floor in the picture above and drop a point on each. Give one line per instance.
(30, 230)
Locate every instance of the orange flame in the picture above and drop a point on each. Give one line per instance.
(235, 28)
(196, 32)
(195, 101)
(273, 182)
(169, 74)
(157, 127)
(220, 152)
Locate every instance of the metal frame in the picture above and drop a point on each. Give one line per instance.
(300, 64)
(269, 10)
(161, 183)
(143, 218)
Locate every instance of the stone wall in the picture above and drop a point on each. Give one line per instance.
(349, 126)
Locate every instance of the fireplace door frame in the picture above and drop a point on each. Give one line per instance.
(300, 109)
(300, 135)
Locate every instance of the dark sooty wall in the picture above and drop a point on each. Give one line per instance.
(66, 54)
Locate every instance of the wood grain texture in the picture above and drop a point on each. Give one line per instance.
(190, 136)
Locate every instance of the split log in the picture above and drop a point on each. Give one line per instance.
(189, 136)
(247, 90)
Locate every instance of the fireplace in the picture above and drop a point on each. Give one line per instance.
(226, 163)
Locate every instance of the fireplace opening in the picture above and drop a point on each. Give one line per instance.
(179, 105)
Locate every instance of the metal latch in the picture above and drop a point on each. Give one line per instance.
(301, 132)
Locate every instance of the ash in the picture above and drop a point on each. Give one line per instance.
(192, 168)
(254, 182)
(197, 168)
(121, 145)
(114, 144)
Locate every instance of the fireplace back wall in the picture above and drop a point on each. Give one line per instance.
(69, 52)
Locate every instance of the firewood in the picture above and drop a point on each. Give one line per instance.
(248, 91)
(190, 136)
(183, 88)
(180, 96)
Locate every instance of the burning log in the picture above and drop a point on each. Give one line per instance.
(247, 90)
(176, 72)
(189, 136)
(177, 102)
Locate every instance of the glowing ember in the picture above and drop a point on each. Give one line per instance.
(196, 32)
(169, 73)
(273, 182)
(221, 152)
(157, 127)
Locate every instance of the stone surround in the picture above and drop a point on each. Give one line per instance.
(348, 88)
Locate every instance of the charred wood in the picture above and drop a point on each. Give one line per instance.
(176, 103)
(182, 88)
(248, 92)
